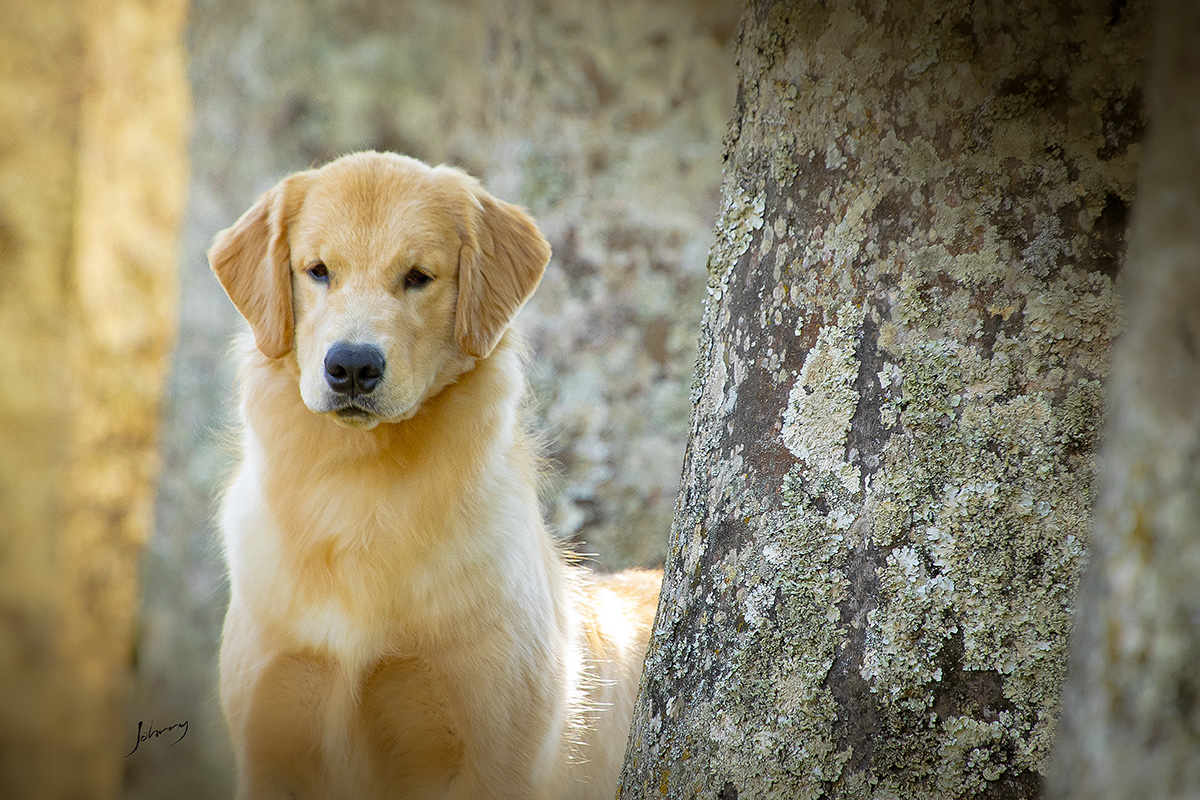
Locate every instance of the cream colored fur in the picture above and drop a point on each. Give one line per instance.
(400, 624)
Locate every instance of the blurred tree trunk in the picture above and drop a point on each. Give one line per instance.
(92, 178)
(886, 495)
(1131, 724)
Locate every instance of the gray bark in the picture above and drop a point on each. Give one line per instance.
(1132, 707)
(886, 495)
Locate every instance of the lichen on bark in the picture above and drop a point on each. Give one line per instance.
(886, 495)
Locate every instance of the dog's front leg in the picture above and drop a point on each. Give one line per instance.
(512, 727)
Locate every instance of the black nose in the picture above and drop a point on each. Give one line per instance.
(353, 368)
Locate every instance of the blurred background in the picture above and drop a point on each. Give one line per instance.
(131, 131)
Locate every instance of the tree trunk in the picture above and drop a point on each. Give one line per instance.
(93, 107)
(1132, 706)
(886, 495)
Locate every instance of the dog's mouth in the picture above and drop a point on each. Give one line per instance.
(361, 412)
(356, 412)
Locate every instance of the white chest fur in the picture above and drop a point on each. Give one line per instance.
(324, 615)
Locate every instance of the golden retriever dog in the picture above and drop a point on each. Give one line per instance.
(400, 623)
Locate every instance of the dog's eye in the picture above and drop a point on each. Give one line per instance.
(415, 278)
(319, 273)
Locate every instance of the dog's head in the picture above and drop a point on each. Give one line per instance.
(384, 278)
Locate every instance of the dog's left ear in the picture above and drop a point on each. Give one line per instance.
(252, 260)
(501, 262)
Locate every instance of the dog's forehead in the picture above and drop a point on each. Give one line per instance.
(377, 205)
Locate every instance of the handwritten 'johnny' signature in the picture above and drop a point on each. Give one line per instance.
(153, 733)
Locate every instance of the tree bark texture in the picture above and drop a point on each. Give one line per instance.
(93, 106)
(1131, 724)
(886, 496)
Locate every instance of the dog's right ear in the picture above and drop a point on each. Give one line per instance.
(252, 260)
